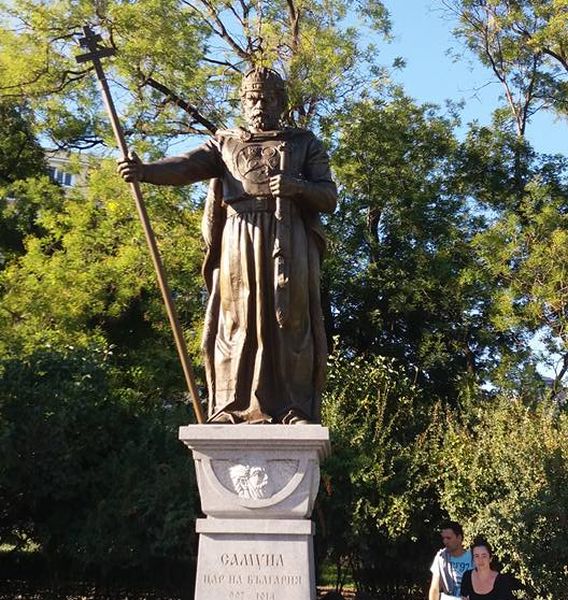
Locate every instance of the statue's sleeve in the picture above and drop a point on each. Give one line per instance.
(320, 192)
(203, 162)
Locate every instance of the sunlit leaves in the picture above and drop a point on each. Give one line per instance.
(524, 44)
(90, 266)
(503, 472)
(195, 51)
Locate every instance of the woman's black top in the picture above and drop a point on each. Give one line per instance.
(501, 588)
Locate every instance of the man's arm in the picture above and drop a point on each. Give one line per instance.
(317, 196)
(202, 163)
(434, 592)
(316, 191)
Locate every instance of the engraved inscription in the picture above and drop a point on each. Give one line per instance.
(251, 579)
(252, 576)
(274, 579)
(252, 560)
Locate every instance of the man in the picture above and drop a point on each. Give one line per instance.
(264, 344)
(449, 564)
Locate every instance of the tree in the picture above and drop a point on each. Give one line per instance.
(524, 43)
(377, 504)
(400, 245)
(22, 165)
(21, 156)
(517, 255)
(179, 54)
(87, 277)
(91, 473)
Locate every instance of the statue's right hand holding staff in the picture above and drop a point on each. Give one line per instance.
(131, 168)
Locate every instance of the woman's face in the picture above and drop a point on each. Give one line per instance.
(481, 557)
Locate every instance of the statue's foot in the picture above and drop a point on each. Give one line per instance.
(223, 418)
(230, 418)
(294, 417)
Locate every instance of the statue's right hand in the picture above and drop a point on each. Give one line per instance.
(130, 168)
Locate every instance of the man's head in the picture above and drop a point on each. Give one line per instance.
(452, 536)
(263, 96)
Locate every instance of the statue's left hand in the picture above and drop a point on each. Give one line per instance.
(284, 185)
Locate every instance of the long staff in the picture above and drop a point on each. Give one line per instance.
(91, 42)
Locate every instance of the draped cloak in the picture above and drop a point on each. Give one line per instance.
(259, 369)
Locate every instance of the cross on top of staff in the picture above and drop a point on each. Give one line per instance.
(91, 42)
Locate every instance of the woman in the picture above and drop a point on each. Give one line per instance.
(484, 583)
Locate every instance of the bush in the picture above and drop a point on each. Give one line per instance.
(503, 472)
(377, 502)
(90, 475)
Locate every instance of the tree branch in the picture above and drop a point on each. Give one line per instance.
(529, 95)
(222, 63)
(563, 61)
(222, 30)
(294, 24)
(558, 377)
(188, 108)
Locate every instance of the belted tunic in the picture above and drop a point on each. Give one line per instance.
(259, 369)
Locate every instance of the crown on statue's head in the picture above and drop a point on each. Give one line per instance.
(262, 79)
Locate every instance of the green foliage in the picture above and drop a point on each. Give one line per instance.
(400, 241)
(22, 189)
(502, 470)
(87, 275)
(21, 203)
(92, 473)
(375, 499)
(195, 52)
(20, 154)
(524, 43)
(91, 476)
(448, 255)
(518, 252)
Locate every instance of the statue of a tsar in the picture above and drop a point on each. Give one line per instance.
(264, 342)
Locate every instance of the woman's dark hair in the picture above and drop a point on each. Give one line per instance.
(478, 541)
(481, 541)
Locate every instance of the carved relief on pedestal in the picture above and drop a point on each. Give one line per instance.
(254, 477)
(255, 471)
(253, 481)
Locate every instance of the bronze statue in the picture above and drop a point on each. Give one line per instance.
(264, 342)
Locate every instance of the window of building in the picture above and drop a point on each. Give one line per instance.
(59, 176)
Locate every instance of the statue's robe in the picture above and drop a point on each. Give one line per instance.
(260, 368)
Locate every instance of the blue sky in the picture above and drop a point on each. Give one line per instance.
(422, 36)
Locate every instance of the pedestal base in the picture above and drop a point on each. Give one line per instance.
(257, 485)
(255, 560)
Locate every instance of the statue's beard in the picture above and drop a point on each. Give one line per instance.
(263, 121)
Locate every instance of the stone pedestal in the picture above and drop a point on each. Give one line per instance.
(258, 485)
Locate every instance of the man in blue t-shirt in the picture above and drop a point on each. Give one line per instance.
(449, 564)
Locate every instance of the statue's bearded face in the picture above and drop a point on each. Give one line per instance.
(262, 110)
